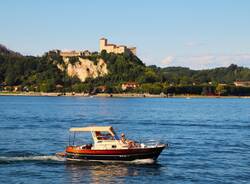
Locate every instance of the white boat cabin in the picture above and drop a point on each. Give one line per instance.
(104, 137)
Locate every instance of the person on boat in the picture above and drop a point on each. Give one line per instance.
(98, 135)
(123, 139)
(130, 143)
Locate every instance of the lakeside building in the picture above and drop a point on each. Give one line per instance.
(117, 49)
(242, 83)
(102, 89)
(129, 85)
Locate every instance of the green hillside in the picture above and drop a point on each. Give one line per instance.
(42, 74)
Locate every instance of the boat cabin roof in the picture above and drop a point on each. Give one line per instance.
(94, 129)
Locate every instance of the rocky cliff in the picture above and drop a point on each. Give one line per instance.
(84, 68)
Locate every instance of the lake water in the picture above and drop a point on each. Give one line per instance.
(209, 139)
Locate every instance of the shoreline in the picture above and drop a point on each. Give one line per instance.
(115, 95)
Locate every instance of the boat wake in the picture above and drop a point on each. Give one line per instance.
(6, 159)
(54, 158)
(17, 157)
(143, 161)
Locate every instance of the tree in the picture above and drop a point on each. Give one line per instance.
(221, 90)
(149, 76)
(10, 79)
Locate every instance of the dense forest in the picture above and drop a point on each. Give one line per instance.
(30, 73)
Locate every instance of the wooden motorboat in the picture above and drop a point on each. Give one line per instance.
(107, 146)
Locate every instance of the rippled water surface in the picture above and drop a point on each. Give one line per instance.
(209, 139)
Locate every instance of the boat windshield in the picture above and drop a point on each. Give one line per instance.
(80, 139)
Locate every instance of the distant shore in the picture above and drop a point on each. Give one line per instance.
(115, 95)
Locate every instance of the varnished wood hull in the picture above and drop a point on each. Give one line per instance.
(113, 155)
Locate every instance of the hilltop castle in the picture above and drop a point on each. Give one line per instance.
(103, 45)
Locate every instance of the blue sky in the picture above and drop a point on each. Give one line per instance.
(193, 33)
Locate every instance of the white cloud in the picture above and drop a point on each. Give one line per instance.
(168, 60)
(207, 61)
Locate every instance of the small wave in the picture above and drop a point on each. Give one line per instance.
(5, 159)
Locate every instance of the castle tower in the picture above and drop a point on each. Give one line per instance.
(102, 44)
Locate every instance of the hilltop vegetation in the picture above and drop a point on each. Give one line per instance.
(42, 74)
(34, 73)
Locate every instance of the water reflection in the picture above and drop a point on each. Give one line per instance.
(92, 172)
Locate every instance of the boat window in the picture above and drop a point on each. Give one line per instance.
(104, 136)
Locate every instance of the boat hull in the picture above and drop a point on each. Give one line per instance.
(114, 155)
